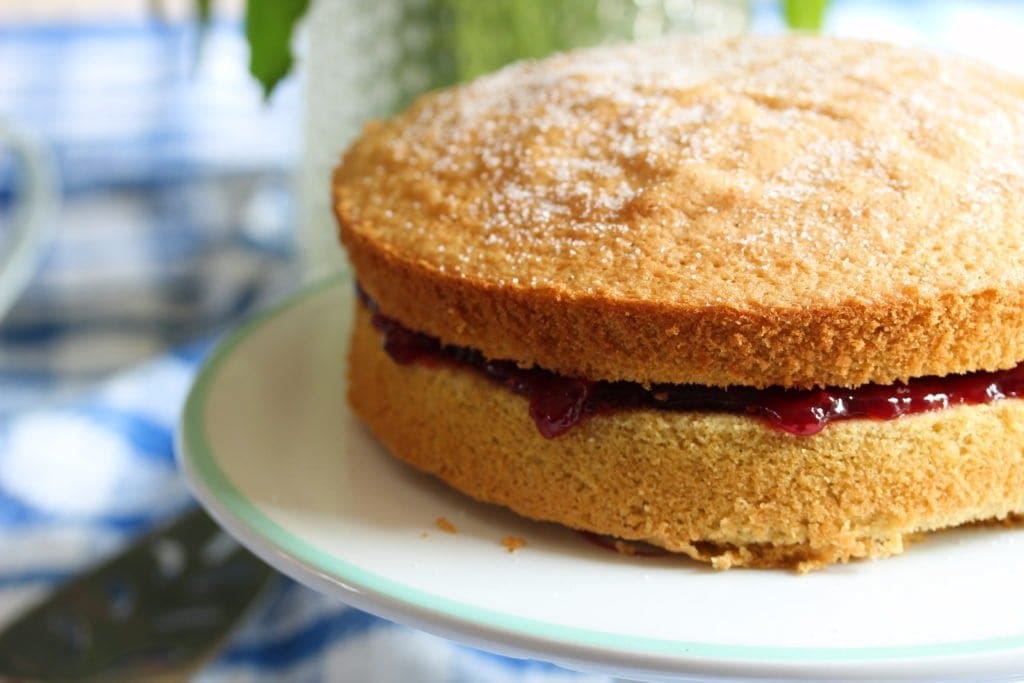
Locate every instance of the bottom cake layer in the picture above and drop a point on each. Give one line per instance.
(724, 489)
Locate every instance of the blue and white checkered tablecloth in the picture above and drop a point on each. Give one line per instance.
(176, 222)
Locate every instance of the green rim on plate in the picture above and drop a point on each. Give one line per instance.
(198, 452)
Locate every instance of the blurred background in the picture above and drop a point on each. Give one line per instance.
(164, 171)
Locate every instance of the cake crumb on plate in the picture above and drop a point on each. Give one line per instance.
(513, 543)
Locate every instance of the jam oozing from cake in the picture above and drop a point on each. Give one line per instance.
(558, 403)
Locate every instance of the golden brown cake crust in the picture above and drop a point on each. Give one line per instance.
(796, 211)
(721, 488)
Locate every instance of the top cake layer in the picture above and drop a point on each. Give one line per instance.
(796, 211)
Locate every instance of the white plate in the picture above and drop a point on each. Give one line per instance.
(273, 452)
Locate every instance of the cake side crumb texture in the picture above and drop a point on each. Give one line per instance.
(724, 489)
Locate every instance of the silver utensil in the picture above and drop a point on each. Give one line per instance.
(156, 611)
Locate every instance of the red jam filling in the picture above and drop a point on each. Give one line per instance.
(558, 403)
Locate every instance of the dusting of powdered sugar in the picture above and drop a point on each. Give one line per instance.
(794, 154)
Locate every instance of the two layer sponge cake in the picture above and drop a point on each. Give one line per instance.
(759, 301)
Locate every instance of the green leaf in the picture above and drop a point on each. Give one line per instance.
(806, 15)
(269, 25)
(490, 34)
(204, 11)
